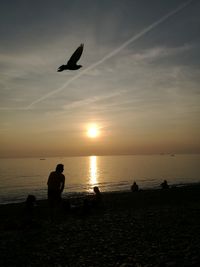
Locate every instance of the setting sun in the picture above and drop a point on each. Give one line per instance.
(93, 131)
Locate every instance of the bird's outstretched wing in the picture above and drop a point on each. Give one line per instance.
(76, 55)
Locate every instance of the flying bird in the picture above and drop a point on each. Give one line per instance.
(71, 64)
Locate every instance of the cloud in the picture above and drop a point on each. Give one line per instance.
(160, 52)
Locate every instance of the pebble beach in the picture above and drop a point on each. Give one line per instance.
(158, 228)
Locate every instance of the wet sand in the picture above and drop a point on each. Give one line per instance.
(147, 228)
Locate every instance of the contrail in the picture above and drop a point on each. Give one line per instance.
(114, 52)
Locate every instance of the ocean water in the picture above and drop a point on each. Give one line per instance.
(22, 176)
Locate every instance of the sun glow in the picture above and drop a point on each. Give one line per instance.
(93, 131)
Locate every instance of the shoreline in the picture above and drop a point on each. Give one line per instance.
(72, 195)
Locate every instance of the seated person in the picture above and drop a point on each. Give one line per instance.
(164, 185)
(97, 198)
(134, 187)
(93, 201)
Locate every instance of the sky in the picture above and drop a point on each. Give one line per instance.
(139, 83)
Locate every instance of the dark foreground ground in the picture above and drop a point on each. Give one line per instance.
(147, 228)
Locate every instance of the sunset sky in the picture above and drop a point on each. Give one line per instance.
(137, 92)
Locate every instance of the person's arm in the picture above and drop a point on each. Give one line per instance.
(63, 184)
(48, 179)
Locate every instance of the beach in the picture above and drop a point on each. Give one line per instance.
(145, 228)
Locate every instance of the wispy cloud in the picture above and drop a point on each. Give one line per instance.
(78, 106)
(159, 52)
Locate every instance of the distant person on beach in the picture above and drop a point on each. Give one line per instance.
(56, 184)
(97, 200)
(134, 187)
(164, 185)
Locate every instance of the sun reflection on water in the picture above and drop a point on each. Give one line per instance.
(93, 178)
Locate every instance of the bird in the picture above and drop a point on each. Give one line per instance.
(71, 64)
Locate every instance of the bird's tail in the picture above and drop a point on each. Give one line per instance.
(61, 68)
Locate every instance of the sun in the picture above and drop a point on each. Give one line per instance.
(93, 131)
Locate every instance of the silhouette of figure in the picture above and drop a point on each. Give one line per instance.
(56, 184)
(134, 187)
(71, 64)
(94, 201)
(97, 200)
(164, 185)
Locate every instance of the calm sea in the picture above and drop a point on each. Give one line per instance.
(20, 177)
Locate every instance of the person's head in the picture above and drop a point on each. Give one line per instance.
(60, 168)
(96, 189)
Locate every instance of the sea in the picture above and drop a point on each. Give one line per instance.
(20, 177)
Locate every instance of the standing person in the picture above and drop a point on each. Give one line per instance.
(56, 184)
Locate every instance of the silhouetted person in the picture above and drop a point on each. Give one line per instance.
(56, 184)
(134, 187)
(71, 64)
(164, 185)
(97, 199)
